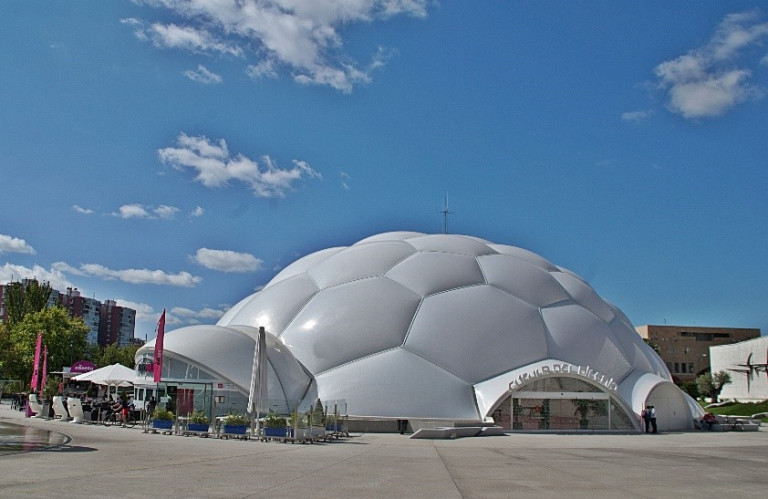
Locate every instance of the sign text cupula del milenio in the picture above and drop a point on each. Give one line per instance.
(564, 368)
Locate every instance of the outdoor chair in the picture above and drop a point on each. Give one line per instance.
(75, 409)
(59, 411)
(34, 405)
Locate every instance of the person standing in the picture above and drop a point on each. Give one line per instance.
(646, 414)
(653, 419)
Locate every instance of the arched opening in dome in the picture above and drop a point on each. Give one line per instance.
(563, 402)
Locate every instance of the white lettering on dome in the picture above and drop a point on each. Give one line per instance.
(564, 368)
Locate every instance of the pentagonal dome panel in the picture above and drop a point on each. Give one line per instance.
(529, 282)
(302, 264)
(399, 384)
(524, 254)
(274, 306)
(477, 332)
(427, 273)
(350, 321)
(584, 295)
(581, 338)
(359, 262)
(449, 243)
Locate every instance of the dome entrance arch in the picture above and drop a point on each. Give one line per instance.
(563, 402)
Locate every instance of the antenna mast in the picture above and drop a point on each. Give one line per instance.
(445, 213)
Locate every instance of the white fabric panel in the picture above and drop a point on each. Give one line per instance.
(578, 337)
(304, 263)
(350, 321)
(275, 306)
(524, 254)
(358, 262)
(389, 236)
(228, 353)
(584, 295)
(229, 314)
(450, 243)
(406, 386)
(522, 279)
(477, 332)
(427, 273)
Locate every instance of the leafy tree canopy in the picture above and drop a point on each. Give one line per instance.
(64, 336)
(25, 298)
(113, 354)
(711, 385)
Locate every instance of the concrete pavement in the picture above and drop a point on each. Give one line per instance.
(128, 463)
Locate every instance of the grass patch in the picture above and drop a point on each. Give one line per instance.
(741, 409)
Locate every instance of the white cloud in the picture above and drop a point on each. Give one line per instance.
(344, 180)
(706, 82)
(141, 276)
(140, 211)
(227, 260)
(300, 35)
(54, 277)
(131, 211)
(635, 116)
(10, 244)
(197, 212)
(202, 75)
(165, 211)
(81, 210)
(264, 69)
(216, 168)
(206, 313)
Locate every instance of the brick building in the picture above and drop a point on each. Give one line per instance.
(685, 349)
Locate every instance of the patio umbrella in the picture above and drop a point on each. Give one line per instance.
(114, 375)
(259, 393)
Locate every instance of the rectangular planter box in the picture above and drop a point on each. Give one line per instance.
(235, 430)
(197, 426)
(162, 424)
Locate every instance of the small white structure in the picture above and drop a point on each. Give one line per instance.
(747, 363)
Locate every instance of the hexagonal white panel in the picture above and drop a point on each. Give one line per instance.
(349, 321)
(398, 384)
(478, 341)
(274, 306)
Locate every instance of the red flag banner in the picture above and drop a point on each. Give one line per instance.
(45, 369)
(36, 368)
(158, 359)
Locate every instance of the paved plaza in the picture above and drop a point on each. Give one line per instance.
(125, 463)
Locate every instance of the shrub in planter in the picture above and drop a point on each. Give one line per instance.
(162, 418)
(236, 424)
(198, 421)
(273, 420)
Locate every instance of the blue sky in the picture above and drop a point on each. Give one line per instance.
(176, 155)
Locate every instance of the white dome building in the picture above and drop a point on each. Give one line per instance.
(453, 328)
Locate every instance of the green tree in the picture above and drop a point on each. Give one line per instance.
(25, 298)
(711, 385)
(64, 336)
(114, 354)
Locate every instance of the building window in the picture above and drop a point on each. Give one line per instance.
(671, 350)
(677, 367)
(687, 350)
(685, 368)
(690, 367)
